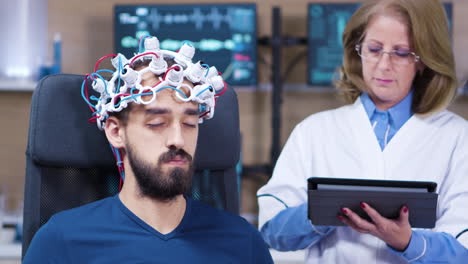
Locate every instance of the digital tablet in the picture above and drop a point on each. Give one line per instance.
(326, 197)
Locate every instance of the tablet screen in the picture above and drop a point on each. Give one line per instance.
(367, 188)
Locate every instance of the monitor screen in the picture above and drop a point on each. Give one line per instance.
(224, 35)
(326, 23)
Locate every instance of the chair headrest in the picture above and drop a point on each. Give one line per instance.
(60, 134)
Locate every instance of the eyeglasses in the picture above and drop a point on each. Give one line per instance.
(373, 53)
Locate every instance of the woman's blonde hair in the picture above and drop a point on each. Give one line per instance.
(436, 85)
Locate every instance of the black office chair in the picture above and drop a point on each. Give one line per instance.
(69, 162)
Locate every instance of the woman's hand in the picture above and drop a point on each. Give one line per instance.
(395, 232)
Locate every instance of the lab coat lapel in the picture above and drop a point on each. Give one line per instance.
(366, 142)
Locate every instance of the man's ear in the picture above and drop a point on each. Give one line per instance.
(115, 132)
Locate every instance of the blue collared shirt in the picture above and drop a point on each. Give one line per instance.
(387, 123)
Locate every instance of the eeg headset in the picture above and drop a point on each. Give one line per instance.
(125, 86)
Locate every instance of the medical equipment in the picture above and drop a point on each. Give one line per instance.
(125, 85)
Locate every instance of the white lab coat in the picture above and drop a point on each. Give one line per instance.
(341, 143)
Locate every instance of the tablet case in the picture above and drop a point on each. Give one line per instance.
(328, 195)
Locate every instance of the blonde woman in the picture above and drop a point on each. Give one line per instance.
(398, 76)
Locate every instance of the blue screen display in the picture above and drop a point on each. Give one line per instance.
(326, 23)
(224, 35)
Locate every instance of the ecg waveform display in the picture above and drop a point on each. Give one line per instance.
(224, 35)
(325, 29)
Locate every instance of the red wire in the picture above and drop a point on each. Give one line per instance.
(121, 169)
(120, 95)
(204, 114)
(156, 84)
(171, 68)
(143, 54)
(86, 92)
(96, 66)
(224, 89)
(93, 119)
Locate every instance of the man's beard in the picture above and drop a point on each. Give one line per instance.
(154, 183)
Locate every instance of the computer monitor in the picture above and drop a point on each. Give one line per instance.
(224, 35)
(326, 23)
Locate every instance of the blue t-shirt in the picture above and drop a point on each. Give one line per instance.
(108, 232)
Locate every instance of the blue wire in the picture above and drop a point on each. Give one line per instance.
(173, 88)
(271, 195)
(116, 153)
(204, 90)
(108, 71)
(141, 42)
(105, 70)
(130, 97)
(100, 77)
(94, 98)
(207, 68)
(119, 160)
(187, 42)
(83, 95)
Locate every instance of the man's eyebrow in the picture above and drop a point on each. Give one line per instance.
(192, 112)
(157, 111)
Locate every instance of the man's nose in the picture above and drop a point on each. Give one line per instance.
(175, 137)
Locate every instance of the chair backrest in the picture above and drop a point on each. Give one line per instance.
(69, 161)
